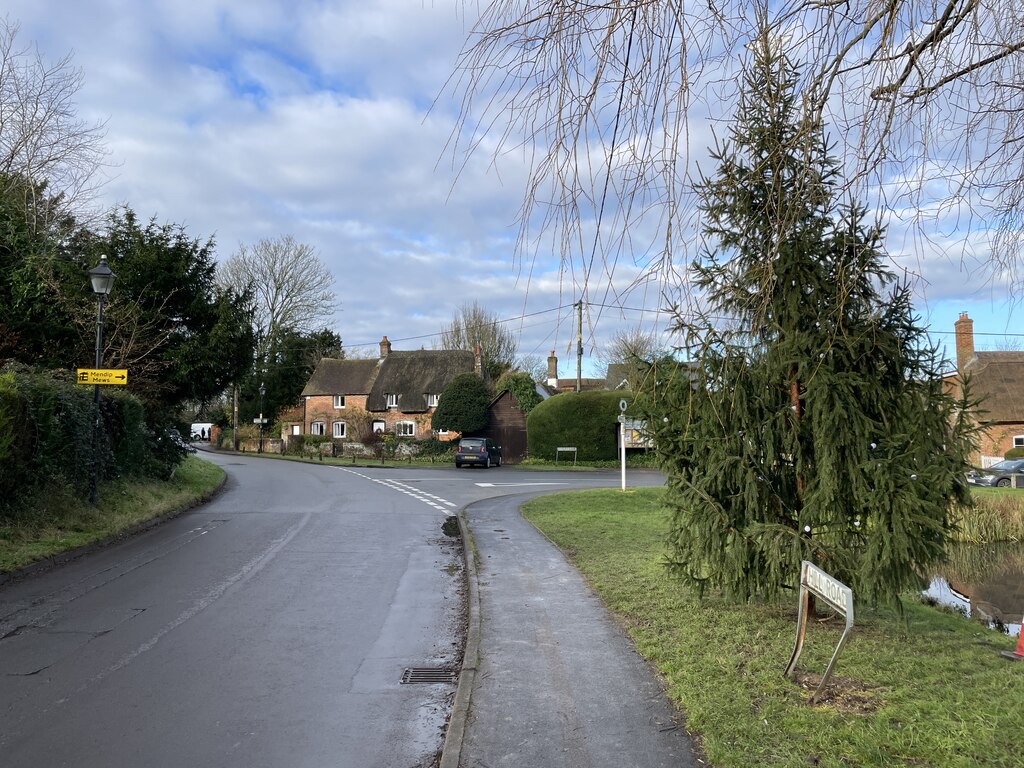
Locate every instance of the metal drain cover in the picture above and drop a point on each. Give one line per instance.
(429, 675)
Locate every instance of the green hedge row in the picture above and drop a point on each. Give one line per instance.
(49, 435)
(587, 421)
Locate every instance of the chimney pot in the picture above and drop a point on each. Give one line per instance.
(385, 347)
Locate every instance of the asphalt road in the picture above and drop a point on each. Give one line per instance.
(269, 627)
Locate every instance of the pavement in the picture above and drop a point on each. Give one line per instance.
(549, 679)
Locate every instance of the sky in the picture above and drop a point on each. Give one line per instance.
(322, 120)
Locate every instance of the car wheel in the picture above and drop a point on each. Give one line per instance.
(487, 463)
(458, 465)
(1003, 482)
(499, 462)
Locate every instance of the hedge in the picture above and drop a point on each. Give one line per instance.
(587, 421)
(47, 436)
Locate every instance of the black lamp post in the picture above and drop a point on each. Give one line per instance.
(263, 391)
(102, 279)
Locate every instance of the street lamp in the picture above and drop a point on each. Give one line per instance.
(102, 279)
(263, 391)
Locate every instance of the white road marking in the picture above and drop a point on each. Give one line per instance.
(396, 485)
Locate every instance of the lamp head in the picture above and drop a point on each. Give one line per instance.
(102, 278)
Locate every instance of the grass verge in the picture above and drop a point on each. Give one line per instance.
(927, 689)
(56, 522)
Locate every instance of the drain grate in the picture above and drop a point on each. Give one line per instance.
(429, 675)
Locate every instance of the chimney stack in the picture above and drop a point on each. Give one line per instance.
(385, 347)
(964, 340)
(478, 361)
(552, 370)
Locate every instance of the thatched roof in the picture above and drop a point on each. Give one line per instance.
(414, 375)
(998, 377)
(341, 377)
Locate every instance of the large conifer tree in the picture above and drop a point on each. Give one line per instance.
(815, 426)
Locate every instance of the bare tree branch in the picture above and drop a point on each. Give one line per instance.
(292, 287)
(42, 138)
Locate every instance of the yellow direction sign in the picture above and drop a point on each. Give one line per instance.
(102, 376)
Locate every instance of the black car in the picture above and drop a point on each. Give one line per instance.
(999, 475)
(478, 450)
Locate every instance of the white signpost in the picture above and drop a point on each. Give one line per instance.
(622, 438)
(839, 597)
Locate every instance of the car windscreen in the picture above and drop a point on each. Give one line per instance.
(470, 443)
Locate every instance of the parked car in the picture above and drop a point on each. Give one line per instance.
(998, 475)
(478, 450)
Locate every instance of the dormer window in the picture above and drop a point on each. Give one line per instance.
(432, 400)
(392, 400)
(339, 401)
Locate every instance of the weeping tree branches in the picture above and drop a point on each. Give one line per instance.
(603, 101)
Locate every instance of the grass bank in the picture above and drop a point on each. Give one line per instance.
(56, 522)
(928, 689)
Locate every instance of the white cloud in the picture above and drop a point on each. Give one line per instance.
(250, 120)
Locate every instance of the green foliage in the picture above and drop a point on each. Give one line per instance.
(818, 428)
(180, 336)
(291, 358)
(523, 389)
(35, 327)
(49, 438)
(431, 446)
(462, 406)
(585, 420)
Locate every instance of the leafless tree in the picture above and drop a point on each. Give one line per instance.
(603, 99)
(472, 324)
(47, 152)
(534, 366)
(291, 287)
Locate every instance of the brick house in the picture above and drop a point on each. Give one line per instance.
(396, 393)
(998, 378)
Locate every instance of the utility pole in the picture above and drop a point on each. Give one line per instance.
(579, 345)
(234, 418)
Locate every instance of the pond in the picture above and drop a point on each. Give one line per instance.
(985, 582)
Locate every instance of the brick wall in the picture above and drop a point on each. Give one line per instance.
(321, 408)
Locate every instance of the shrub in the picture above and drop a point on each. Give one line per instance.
(431, 446)
(49, 437)
(463, 405)
(523, 389)
(1015, 453)
(586, 420)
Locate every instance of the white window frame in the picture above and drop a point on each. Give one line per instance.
(317, 428)
(392, 399)
(379, 425)
(339, 401)
(432, 400)
(400, 428)
(335, 430)
(296, 429)
(1018, 441)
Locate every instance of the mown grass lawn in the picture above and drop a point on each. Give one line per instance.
(55, 522)
(927, 689)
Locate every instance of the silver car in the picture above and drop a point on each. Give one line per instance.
(998, 475)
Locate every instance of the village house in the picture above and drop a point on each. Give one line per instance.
(998, 379)
(397, 393)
